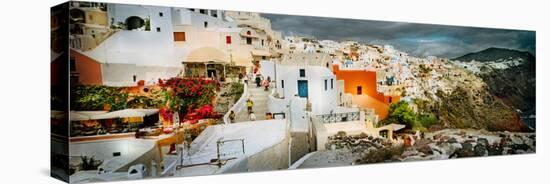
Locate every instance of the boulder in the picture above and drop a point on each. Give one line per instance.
(505, 142)
(409, 153)
(436, 136)
(480, 150)
(529, 141)
(494, 149)
(452, 140)
(467, 150)
(516, 139)
(467, 146)
(523, 147)
(483, 141)
(424, 148)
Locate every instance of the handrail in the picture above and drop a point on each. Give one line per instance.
(339, 117)
(238, 106)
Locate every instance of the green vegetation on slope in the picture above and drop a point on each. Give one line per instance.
(401, 113)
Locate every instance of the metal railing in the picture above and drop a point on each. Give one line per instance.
(339, 117)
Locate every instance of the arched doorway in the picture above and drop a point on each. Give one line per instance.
(77, 16)
(134, 22)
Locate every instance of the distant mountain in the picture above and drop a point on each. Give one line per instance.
(494, 54)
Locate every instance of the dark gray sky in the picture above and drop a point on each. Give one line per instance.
(415, 39)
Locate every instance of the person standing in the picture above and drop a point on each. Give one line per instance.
(232, 117)
(265, 84)
(249, 105)
(258, 81)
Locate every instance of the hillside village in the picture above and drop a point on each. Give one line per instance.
(215, 91)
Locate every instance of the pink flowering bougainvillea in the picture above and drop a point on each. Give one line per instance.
(191, 97)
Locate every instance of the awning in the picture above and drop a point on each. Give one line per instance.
(393, 126)
(260, 53)
(207, 55)
(83, 115)
(126, 113)
(57, 114)
(242, 58)
(74, 116)
(148, 112)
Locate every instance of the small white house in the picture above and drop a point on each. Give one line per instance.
(315, 83)
(305, 76)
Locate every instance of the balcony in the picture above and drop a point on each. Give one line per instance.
(339, 117)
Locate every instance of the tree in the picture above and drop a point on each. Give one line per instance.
(400, 113)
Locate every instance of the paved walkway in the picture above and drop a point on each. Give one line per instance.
(259, 97)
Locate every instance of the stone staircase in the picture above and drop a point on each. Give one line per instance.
(259, 97)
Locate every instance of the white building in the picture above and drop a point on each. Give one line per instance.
(310, 77)
(152, 42)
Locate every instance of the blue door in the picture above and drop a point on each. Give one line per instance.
(302, 88)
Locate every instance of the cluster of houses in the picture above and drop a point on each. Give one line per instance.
(321, 86)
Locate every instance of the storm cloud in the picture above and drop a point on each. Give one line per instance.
(416, 39)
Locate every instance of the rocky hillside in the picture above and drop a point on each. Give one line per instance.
(478, 109)
(513, 82)
(464, 97)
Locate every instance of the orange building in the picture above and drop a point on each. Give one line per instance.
(362, 85)
(85, 70)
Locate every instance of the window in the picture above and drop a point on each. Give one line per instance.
(179, 36)
(214, 13)
(359, 90)
(326, 88)
(282, 83)
(134, 77)
(192, 9)
(203, 11)
(249, 41)
(248, 33)
(262, 42)
(228, 39)
(331, 83)
(302, 72)
(158, 29)
(161, 14)
(205, 24)
(390, 99)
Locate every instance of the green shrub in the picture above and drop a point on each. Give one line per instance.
(236, 89)
(95, 97)
(400, 113)
(427, 120)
